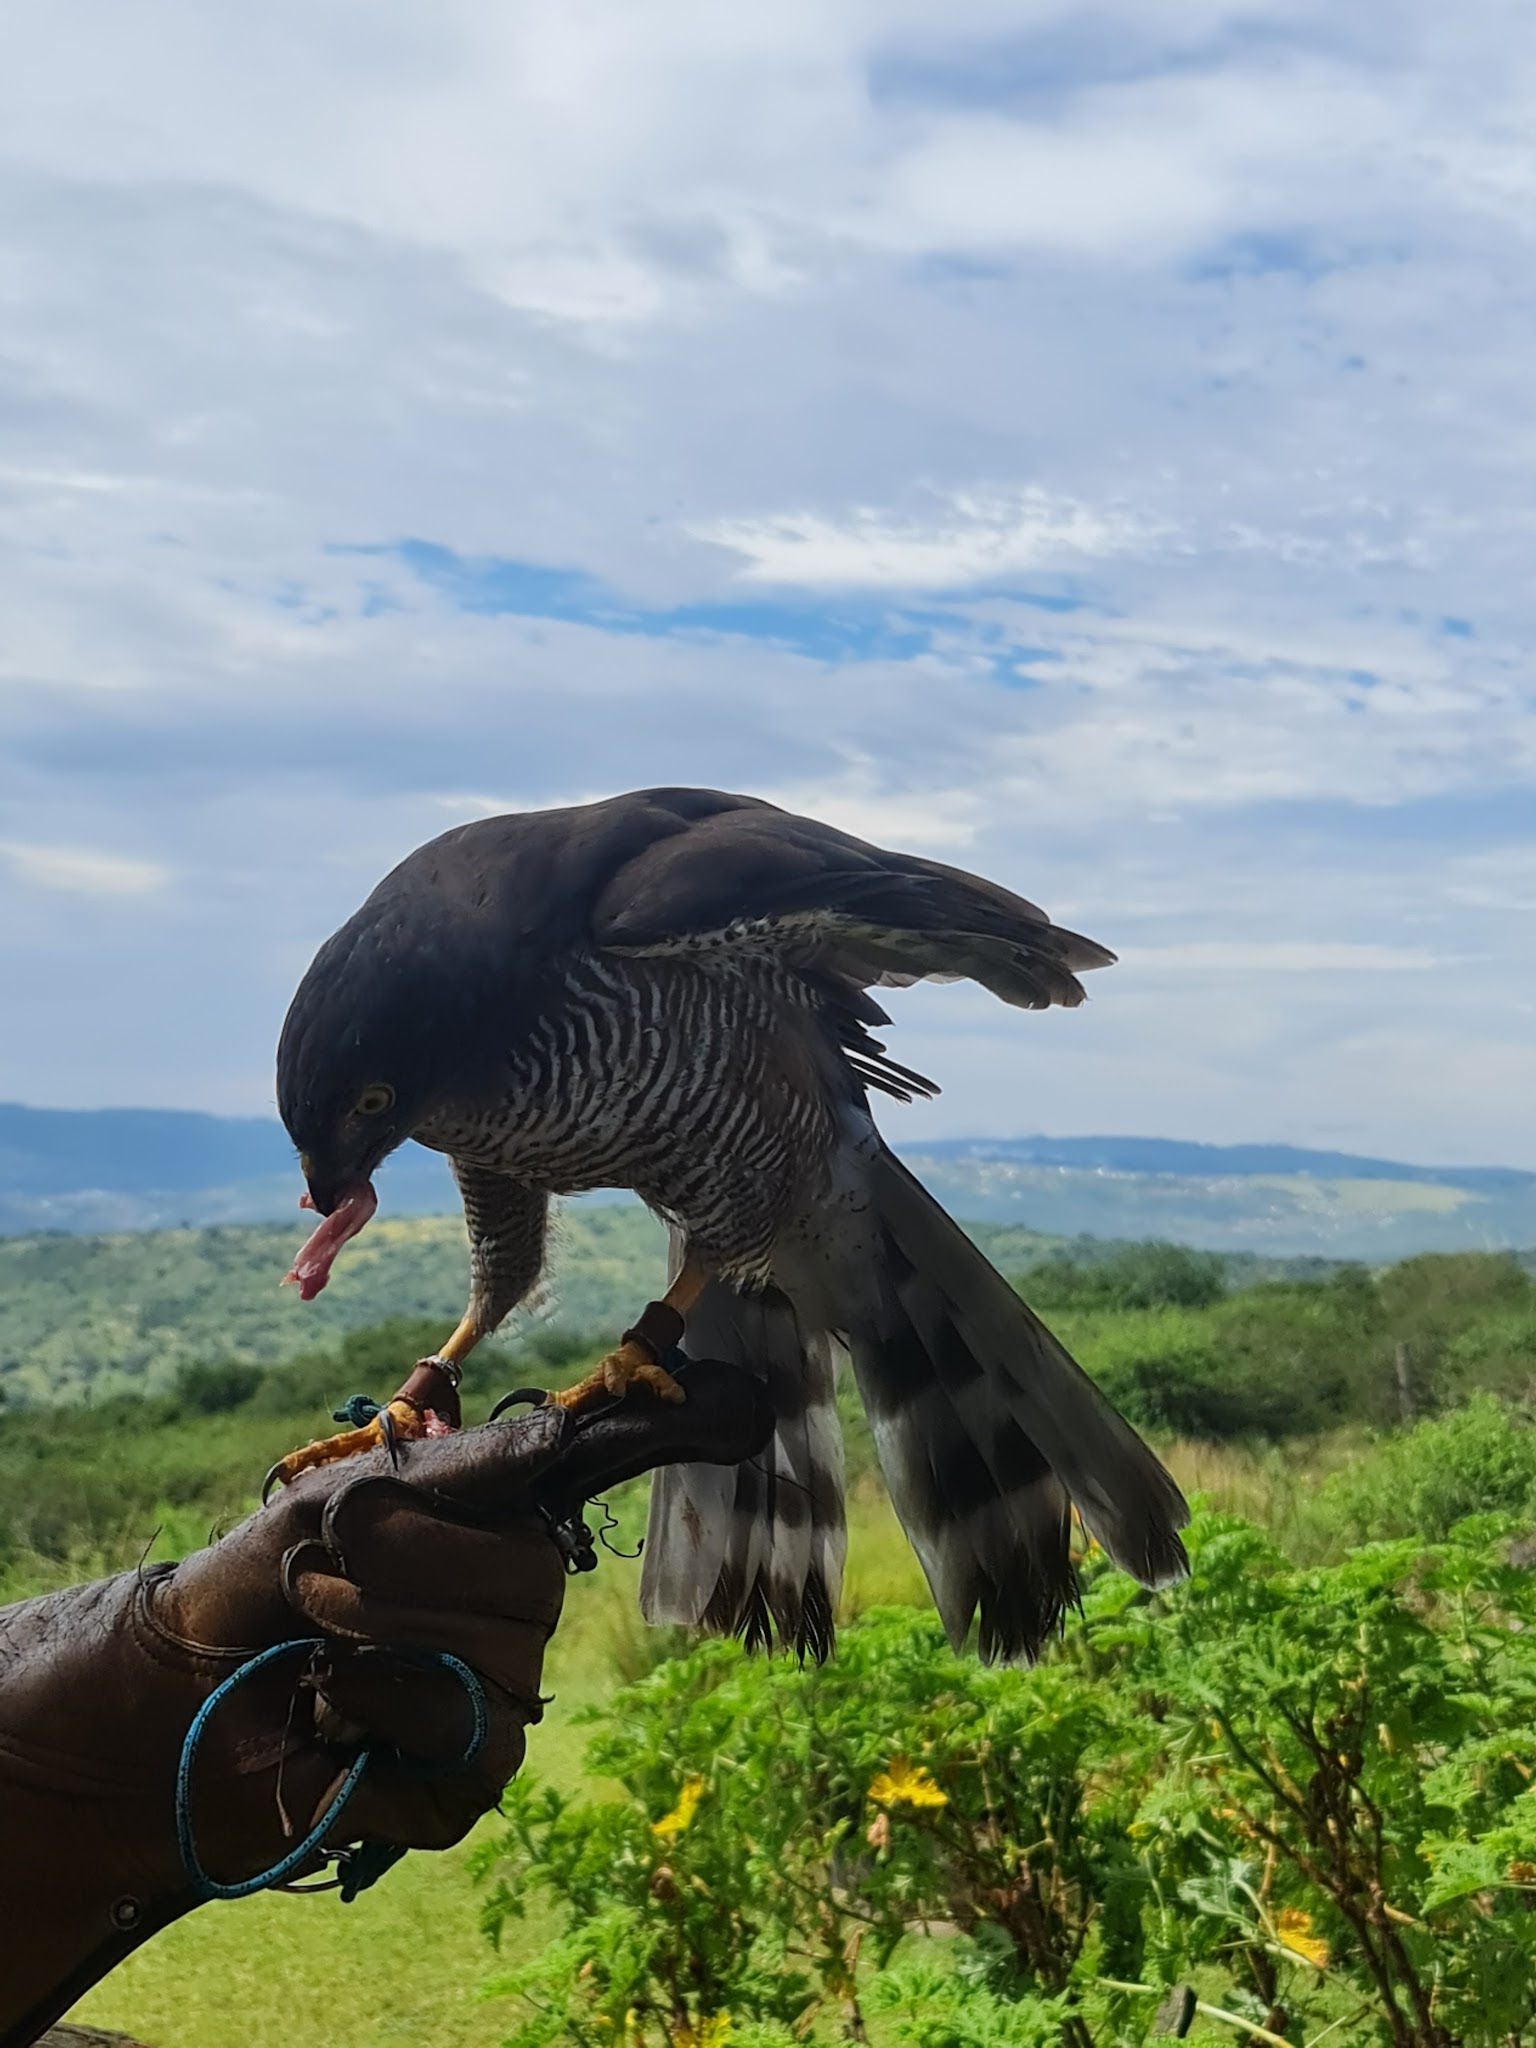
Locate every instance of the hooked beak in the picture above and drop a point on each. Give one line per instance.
(325, 1192)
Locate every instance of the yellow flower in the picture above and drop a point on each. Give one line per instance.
(713, 2033)
(1294, 1927)
(672, 1824)
(904, 1784)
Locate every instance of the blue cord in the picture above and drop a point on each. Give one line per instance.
(208, 1887)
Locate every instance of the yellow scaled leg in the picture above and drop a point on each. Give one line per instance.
(405, 1421)
(410, 1415)
(630, 1366)
(633, 1364)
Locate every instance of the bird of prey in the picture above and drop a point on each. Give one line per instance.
(669, 992)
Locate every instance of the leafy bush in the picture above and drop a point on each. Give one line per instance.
(1439, 1291)
(1464, 1320)
(1169, 1371)
(1496, 1353)
(214, 1389)
(1149, 1275)
(1294, 1358)
(1296, 1798)
(1479, 1459)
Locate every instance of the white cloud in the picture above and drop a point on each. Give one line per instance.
(1502, 879)
(83, 870)
(1203, 319)
(919, 817)
(972, 536)
(565, 154)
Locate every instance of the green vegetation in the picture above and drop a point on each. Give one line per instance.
(1290, 1358)
(1301, 1796)
(1295, 1790)
(101, 1316)
(83, 1489)
(1271, 1364)
(93, 1317)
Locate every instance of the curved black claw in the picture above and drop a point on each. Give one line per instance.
(532, 1397)
(389, 1436)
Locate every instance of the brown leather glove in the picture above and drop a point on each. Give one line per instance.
(454, 1551)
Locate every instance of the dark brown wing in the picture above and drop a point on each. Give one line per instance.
(742, 873)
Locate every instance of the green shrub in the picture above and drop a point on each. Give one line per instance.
(214, 1389)
(899, 1777)
(927, 2003)
(1495, 1353)
(1299, 1794)
(1465, 1320)
(1440, 1291)
(1169, 1372)
(1152, 1275)
(1288, 1358)
(1480, 1459)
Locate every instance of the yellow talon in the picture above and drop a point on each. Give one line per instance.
(405, 1418)
(631, 1365)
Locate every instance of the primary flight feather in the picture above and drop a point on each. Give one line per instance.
(668, 992)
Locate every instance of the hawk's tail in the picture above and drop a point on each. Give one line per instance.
(756, 1550)
(988, 1433)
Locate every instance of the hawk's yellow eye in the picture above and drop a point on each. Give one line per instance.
(375, 1099)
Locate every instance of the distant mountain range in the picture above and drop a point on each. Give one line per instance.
(1177, 1156)
(87, 1170)
(82, 1171)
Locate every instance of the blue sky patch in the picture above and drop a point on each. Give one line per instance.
(844, 629)
(494, 585)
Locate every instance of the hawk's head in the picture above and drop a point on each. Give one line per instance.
(356, 1070)
(409, 1008)
(400, 1012)
(366, 1054)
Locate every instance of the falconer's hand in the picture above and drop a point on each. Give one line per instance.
(416, 1598)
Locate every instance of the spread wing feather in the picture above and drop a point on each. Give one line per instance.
(750, 876)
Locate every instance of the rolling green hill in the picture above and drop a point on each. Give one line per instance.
(97, 1316)
(91, 1317)
(124, 1313)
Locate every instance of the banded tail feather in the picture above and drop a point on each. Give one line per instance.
(756, 1550)
(988, 1436)
(989, 1433)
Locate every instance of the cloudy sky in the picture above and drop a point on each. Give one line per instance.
(1090, 444)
